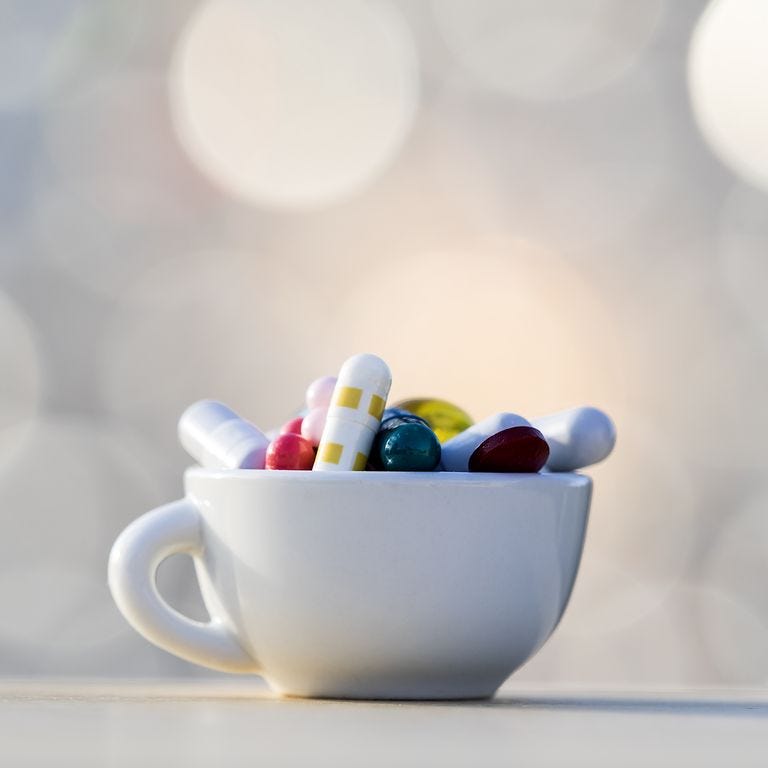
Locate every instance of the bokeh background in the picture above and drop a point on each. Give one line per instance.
(520, 205)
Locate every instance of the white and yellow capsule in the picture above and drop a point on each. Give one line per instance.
(354, 415)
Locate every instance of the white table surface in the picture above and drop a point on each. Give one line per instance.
(239, 723)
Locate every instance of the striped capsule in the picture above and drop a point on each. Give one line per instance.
(354, 414)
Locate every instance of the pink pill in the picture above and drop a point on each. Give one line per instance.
(313, 425)
(292, 427)
(320, 391)
(290, 452)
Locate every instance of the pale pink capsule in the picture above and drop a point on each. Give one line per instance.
(313, 425)
(320, 391)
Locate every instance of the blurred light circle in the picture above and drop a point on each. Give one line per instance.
(742, 249)
(498, 325)
(31, 33)
(555, 49)
(106, 233)
(20, 384)
(86, 138)
(579, 178)
(705, 391)
(230, 326)
(639, 543)
(608, 598)
(728, 82)
(59, 609)
(65, 498)
(21, 160)
(293, 104)
(219, 324)
(737, 564)
(98, 41)
(660, 647)
(75, 484)
(735, 636)
(47, 48)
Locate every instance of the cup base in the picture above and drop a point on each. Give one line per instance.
(392, 698)
(416, 691)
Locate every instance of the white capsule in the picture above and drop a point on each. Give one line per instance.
(577, 438)
(354, 415)
(455, 452)
(216, 437)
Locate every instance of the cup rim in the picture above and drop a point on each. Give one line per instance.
(388, 479)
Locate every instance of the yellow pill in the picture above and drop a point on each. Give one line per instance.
(445, 419)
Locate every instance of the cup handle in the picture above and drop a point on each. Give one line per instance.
(136, 554)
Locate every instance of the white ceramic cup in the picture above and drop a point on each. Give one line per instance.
(388, 585)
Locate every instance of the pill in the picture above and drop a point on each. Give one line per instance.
(313, 424)
(292, 427)
(405, 445)
(457, 451)
(386, 421)
(290, 451)
(577, 437)
(216, 437)
(393, 445)
(354, 414)
(517, 449)
(402, 415)
(446, 419)
(320, 391)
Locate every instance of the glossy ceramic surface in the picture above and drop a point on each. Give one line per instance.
(364, 584)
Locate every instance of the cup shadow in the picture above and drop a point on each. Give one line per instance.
(677, 703)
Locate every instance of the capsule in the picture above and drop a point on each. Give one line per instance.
(577, 438)
(217, 438)
(354, 415)
(457, 451)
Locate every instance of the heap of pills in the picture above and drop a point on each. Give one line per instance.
(347, 426)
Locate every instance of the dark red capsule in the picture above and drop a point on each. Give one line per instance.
(517, 449)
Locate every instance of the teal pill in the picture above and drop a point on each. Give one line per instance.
(410, 447)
